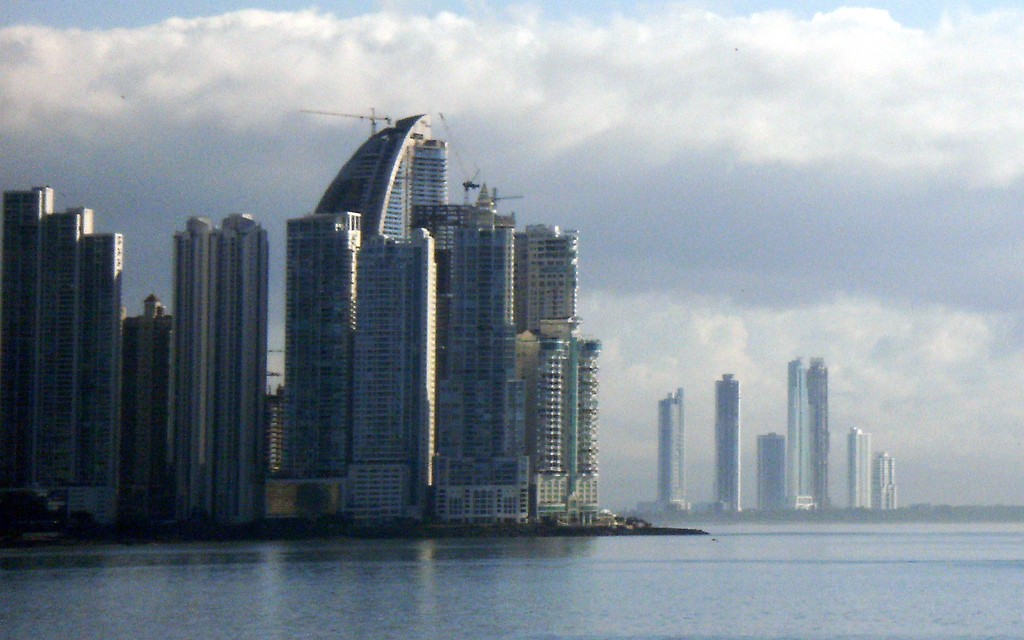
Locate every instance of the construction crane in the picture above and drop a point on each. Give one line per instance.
(496, 198)
(373, 117)
(471, 183)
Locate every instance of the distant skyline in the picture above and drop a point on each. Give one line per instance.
(747, 187)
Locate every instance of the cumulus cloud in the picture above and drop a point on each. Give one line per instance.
(848, 86)
(747, 189)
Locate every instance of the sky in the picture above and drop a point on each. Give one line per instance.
(752, 182)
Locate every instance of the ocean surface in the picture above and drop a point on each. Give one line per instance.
(814, 581)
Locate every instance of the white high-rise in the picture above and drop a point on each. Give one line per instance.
(559, 368)
(883, 482)
(394, 170)
(799, 473)
(219, 379)
(858, 474)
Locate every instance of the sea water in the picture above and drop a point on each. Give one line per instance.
(814, 581)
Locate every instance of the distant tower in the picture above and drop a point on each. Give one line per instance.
(220, 364)
(727, 442)
(798, 440)
(671, 452)
(61, 347)
(546, 281)
(146, 484)
(883, 482)
(319, 334)
(482, 473)
(393, 407)
(771, 472)
(817, 404)
(274, 430)
(858, 475)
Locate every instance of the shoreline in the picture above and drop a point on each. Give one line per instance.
(297, 531)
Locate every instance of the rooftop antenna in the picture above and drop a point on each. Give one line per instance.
(373, 117)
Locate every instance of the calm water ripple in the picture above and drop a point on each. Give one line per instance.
(824, 582)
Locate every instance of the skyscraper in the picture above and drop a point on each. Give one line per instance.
(393, 408)
(727, 443)
(443, 221)
(394, 170)
(546, 281)
(771, 472)
(883, 482)
(482, 473)
(220, 356)
(671, 452)
(61, 341)
(858, 473)
(320, 322)
(146, 491)
(559, 370)
(817, 405)
(799, 477)
(274, 431)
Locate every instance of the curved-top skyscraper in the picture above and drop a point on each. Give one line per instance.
(393, 170)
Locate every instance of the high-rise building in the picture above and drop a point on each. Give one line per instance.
(393, 408)
(671, 453)
(443, 221)
(771, 472)
(546, 280)
(883, 482)
(219, 373)
(274, 430)
(481, 470)
(559, 369)
(320, 322)
(858, 469)
(61, 343)
(146, 491)
(394, 170)
(727, 443)
(799, 485)
(817, 405)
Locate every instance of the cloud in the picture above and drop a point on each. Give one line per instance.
(850, 86)
(747, 189)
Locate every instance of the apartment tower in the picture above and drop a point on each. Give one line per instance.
(146, 491)
(219, 376)
(671, 452)
(727, 443)
(61, 350)
(771, 472)
(858, 469)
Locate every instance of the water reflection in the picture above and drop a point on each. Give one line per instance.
(866, 584)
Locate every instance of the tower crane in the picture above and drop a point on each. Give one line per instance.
(373, 117)
(471, 183)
